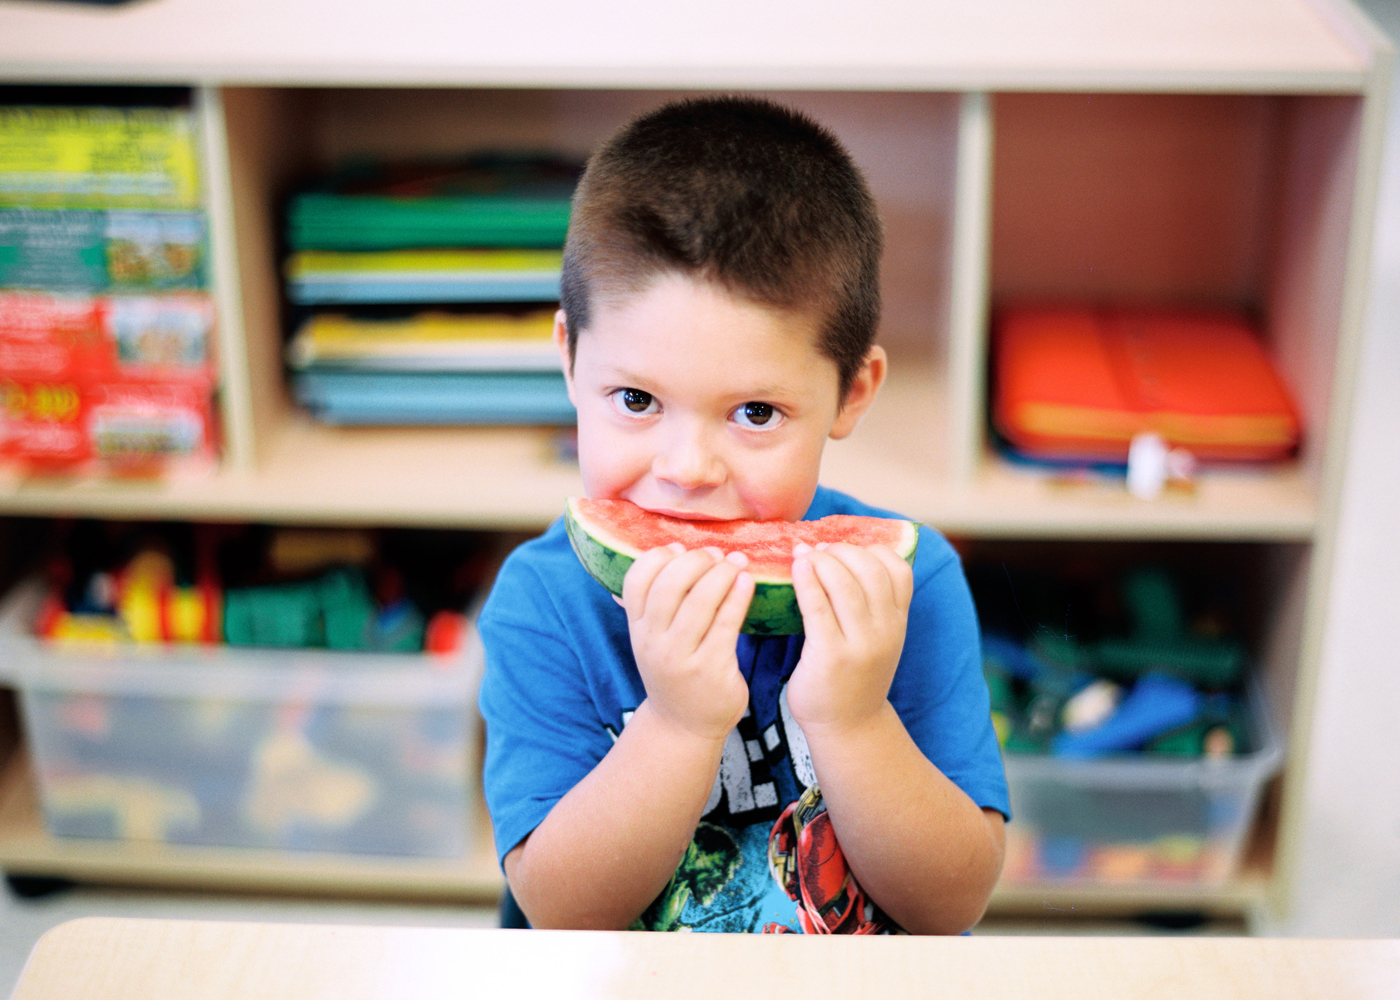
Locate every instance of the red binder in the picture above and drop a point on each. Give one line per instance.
(1079, 383)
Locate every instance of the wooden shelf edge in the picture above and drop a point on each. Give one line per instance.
(1237, 897)
(699, 77)
(512, 478)
(1268, 503)
(26, 848)
(1292, 46)
(488, 478)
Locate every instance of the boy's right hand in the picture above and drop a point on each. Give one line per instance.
(684, 611)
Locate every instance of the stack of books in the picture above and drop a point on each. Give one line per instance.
(426, 293)
(106, 327)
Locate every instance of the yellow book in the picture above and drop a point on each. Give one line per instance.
(434, 341)
(98, 158)
(331, 263)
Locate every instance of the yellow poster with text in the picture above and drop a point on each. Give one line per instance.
(56, 157)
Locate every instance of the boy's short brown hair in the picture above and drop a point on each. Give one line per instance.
(739, 191)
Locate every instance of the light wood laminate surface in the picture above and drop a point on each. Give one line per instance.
(893, 44)
(113, 959)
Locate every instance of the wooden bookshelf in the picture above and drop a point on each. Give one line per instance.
(1210, 150)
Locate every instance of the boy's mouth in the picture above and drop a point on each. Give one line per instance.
(685, 515)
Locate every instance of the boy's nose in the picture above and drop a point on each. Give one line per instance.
(689, 462)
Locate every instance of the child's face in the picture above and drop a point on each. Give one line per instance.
(696, 403)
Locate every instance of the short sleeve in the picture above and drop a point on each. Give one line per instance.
(939, 690)
(543, 729)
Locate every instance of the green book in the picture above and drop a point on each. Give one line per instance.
(495, 200)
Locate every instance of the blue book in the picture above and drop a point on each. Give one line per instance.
(351, 397)
(317, 292)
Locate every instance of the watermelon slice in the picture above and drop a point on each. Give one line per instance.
(608, 535)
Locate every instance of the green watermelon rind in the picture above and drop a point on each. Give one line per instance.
(773, 610)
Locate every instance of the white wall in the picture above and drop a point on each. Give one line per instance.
(1348, 880)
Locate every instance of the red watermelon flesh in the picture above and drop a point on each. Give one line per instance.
(768, 544)
(608, 535)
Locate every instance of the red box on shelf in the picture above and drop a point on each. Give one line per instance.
(106, 384)
(127, 426)
(1078, 383)
(165, 336)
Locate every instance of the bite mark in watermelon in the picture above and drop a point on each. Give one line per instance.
(608, 535)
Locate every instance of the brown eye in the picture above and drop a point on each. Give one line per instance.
(756, 415)
(634, 401)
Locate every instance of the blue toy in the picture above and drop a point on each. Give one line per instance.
(1156, 704)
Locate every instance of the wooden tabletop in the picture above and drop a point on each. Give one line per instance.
(114, 959)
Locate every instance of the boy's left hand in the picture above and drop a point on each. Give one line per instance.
(855, 609)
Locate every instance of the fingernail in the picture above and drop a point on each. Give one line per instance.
(738, 559)
(801, 549)
(823, 546)
(676, 547)
(715, 551)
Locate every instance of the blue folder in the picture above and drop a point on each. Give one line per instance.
(315, 291)
(350, 397)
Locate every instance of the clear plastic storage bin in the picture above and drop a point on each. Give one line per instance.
(355, 753)
(1136, 819)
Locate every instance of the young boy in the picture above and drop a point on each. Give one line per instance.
(646, 764)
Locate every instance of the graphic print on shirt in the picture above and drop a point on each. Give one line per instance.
(710, 863)
(808, 863)
(765, 856)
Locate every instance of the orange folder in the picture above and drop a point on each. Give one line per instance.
(1077, 383)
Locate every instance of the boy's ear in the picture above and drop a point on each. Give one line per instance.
(561, 342)
(861, 394)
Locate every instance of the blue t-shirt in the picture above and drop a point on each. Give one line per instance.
(561, 683)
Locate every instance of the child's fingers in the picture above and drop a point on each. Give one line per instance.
(845, 590)
(695, 616)
(729, 617)
(886, 580)
(818, 617)
(673, 583)
(901, 574)
(867, 571)
(637, 583)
